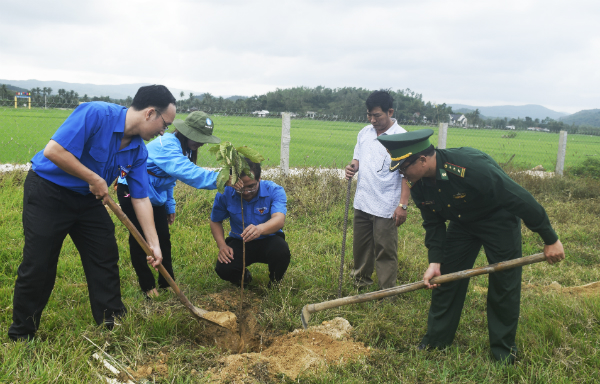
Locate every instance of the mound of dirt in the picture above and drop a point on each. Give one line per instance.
(149, 370)
(292, 354)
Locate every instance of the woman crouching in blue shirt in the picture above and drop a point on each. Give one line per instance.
(172, 157)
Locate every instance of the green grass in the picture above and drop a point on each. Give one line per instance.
(313, 142)
(558, 336)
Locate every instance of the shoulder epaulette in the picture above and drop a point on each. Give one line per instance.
(455, 169)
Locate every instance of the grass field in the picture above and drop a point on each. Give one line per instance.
(558, 336)
(313, 142)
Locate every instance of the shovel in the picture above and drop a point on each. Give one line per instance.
(312, 308)
(223, 319)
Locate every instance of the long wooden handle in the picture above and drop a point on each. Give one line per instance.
(125, 220)
(311, 308)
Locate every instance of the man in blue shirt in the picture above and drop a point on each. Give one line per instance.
(265, 207)
(64, 194)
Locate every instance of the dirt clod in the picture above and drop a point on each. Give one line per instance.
(225, 319)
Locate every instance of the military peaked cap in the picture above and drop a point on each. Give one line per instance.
(402, 145)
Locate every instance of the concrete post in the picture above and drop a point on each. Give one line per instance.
(562, 153)
(442, 135)
(285, 143)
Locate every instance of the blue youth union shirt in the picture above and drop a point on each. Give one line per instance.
(270, 199)
(168, 164)
(93, 133)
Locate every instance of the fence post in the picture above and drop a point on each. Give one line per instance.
(562, 152)
(285, 143)
(442, 135)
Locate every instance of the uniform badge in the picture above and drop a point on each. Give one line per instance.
(124, 172)
(455, 169)
(459, 195)
(261, 210)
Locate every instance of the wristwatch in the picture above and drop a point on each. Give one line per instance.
(405, 207)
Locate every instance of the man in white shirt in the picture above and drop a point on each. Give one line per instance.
(381, 198)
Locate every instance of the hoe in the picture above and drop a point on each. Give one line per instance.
(312, 308)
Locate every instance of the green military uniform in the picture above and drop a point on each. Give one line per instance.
(484, 207)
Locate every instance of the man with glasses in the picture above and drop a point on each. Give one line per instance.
(64, 195)
(484, 207)
(381, 199)
(264, 210)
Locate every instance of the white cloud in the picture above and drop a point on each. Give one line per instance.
(478, 52)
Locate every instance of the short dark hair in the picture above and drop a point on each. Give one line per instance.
(254, 167)
(381, 99)
(157, 96)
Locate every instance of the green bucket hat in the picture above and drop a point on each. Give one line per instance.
(198, 127)
(402, 145)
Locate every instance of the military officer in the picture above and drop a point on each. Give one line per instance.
(484, 207)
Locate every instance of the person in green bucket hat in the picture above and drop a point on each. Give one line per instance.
(171, 157)
(483, 207)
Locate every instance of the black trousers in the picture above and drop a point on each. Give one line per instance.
(272, 250)
(500, 236)
(50, 213)
(138, 255)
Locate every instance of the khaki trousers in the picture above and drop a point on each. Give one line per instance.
(375, 247)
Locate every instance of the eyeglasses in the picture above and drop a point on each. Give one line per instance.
(248, 189)
(404, 168)
(165, 126)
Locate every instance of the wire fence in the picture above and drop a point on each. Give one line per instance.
(315, 140)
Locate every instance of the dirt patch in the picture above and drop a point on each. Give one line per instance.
(149, 370)
(248, 335)
(292, 354)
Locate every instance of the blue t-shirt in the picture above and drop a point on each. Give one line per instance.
(93, 133)
(168, 164)
(270, 199)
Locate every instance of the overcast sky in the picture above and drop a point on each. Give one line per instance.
(473, 52)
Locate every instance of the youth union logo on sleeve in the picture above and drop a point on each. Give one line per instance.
(124, 172)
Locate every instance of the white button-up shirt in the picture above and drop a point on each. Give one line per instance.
(378, 189)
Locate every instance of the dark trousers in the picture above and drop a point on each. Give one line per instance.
(50, 212)
(138, 255)
(500, 236)
(272, 250)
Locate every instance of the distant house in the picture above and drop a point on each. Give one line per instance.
(311, 114)
(512, 127)
(457, 120)
(538, 129)
(262, 113)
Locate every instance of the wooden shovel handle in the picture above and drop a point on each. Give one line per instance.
(125, 220)
(311, 308)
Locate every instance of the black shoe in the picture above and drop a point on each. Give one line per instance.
(423, 347)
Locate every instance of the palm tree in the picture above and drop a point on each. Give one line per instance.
(4, 91)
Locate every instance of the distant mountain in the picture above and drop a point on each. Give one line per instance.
(120, 91)
(235, 98)
(513, 111)
(585, 117)
(11, 87)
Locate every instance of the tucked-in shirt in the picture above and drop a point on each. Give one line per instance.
(378, 189)
(470, 186)
(168, 164)
(93, 134)
(270, 199)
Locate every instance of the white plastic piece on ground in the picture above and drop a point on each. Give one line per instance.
(110, 368)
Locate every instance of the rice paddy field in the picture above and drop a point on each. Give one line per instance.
(313, 142)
